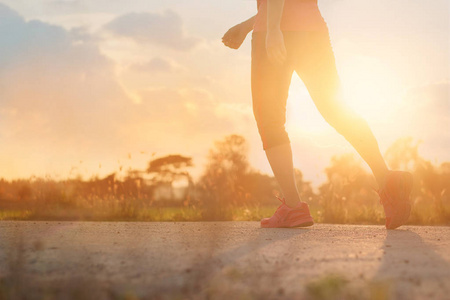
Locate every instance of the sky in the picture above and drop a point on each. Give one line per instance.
(94, 87)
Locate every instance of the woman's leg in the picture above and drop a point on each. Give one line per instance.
(280, 159)
(270, 87)
(316, 67)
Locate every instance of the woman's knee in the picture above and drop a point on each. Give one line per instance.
(272, 132)
(271, 139)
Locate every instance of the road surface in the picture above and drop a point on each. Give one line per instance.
(221, 260)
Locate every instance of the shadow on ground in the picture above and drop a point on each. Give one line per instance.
(410, 268)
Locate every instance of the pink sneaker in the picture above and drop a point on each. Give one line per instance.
(286, 216)
(395, 198)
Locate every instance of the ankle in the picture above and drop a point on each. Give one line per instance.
(381, 179)
(292, 203)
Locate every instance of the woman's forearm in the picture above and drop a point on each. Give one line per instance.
(248, 24)
(274, 13)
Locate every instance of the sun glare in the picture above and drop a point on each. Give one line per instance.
(370, 87)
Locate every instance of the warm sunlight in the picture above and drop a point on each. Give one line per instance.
(110, 88)
(371, 87)
(155, 149)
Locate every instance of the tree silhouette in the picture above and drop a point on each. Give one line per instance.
(403, 154)
(222, 180)
(348, 191)
(431, 197)
(167, 169)
(304, 187)
(230, 156)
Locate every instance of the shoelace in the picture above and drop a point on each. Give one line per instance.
(283, 202)
(385, 199)
(379, 192)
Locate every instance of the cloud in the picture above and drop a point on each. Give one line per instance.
(189, 116)
(58, 92)
(431, 102)
(183, 110)
(164, 29)
(427, 117)
(61, 100)
(156, 65)
(65, 3)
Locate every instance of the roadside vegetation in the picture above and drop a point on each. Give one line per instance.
(229, 189)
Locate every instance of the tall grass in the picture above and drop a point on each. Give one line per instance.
(84, 201)
(229, 189)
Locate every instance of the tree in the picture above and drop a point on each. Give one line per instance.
(229, 156)
(304, 187)
(222, 180)
(403, 154)
(431, 183)
(348, 190)
(170, 168)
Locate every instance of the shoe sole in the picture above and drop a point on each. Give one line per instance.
(303, 222)
(306, 222)
(400, 219)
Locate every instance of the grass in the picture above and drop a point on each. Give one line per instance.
(421, 214)
(328, 287)
(228, 190)
(158, 214)
(155, 214)
(335, 286)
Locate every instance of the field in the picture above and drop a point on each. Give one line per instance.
(229, 190)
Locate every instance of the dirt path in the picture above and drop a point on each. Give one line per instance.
(221, 260)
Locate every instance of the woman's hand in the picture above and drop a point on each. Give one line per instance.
(235, 36)
(276, 50)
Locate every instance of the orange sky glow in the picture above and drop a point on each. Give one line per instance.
(89, 89)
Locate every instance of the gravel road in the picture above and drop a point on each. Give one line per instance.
(221, 260)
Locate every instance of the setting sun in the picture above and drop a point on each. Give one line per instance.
(371, 87)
